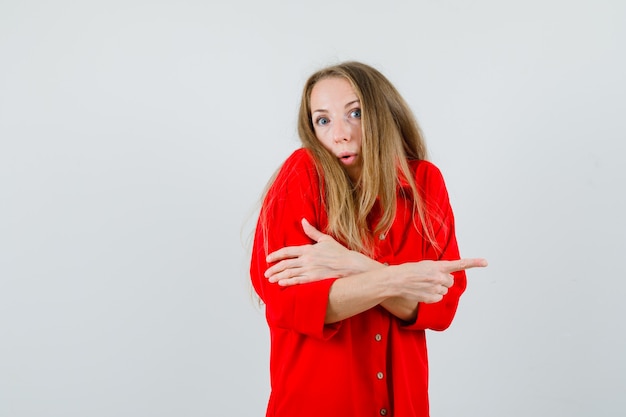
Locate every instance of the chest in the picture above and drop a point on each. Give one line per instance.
(404, 242)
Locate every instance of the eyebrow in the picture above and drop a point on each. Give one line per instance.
(345, 107)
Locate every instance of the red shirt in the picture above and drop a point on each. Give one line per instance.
(371, 364)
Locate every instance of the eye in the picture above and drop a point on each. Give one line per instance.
(356, 113)
(322, 121)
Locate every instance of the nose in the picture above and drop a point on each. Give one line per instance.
(341, 131)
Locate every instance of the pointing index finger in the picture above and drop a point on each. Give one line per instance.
(463, 264)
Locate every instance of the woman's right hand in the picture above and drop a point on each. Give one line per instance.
(428, 281)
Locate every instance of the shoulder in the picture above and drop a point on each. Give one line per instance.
(300, 159)
(430, 183)
(426, 173)
(298, 171)
(293, 193)
(299, 165)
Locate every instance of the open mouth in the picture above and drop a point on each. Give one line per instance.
(347, 159)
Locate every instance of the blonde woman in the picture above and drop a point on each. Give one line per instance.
(355, 254)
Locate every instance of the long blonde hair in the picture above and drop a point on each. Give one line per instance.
(390, 138)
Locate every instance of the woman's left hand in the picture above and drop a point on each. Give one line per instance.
(308, 263)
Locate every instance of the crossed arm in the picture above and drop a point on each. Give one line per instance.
(364, 282)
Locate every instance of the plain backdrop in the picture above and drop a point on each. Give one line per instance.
(136, 138)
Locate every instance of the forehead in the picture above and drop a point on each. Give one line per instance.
(332, 91)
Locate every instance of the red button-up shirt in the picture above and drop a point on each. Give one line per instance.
(371, 364)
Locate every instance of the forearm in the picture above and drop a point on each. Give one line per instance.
(400, 307)
(352, 295)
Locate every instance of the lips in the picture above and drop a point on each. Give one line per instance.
(347, 158)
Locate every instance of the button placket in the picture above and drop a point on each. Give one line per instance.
(378, 366)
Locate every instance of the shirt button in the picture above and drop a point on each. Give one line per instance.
(381, 236)
(379, 375)
(378, 337)
(383, 411)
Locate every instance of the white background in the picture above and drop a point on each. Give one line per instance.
(136, 138)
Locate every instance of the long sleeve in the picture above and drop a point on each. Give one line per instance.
(295, 194)
(438, 316)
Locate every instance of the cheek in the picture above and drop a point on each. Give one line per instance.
(357, 132)
(356, 127)
(322, 137)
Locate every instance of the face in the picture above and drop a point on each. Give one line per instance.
(336, 118)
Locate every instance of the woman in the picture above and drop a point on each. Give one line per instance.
(347, 307)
